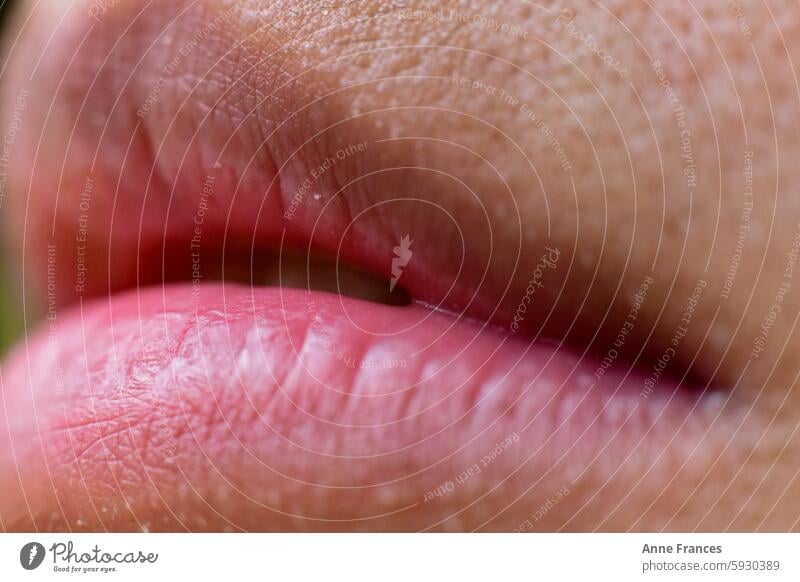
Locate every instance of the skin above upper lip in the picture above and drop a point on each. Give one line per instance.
(148, 401)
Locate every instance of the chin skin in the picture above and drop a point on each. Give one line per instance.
(496, 151)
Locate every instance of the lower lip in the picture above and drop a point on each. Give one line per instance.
(297, 382)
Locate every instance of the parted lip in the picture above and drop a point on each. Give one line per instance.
(284, 408)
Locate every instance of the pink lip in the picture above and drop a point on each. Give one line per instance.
(361, 410)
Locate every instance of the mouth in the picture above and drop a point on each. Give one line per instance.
(290, 389)
(232, 346)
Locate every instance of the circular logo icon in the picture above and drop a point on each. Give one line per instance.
(31, 555)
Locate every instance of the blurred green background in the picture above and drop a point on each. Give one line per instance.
(10, 308)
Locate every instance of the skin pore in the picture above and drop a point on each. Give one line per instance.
(660, 152)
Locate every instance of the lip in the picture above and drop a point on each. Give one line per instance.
(361, 410)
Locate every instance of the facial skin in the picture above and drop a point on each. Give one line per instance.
(662, 147)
